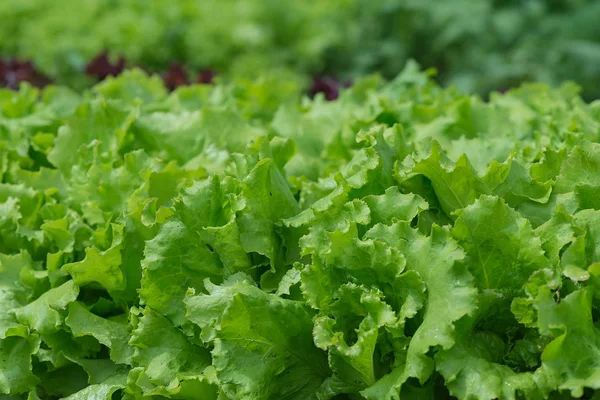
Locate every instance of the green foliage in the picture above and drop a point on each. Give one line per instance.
(403, 241)
(477, 45)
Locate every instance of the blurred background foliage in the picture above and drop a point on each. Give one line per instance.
(477, 45)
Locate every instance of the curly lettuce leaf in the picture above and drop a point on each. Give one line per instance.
(257, 336)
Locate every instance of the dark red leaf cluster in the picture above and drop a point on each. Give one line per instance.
(176, 75)
(206, 76)
(101, 67)
(12, 72)
(328, 86)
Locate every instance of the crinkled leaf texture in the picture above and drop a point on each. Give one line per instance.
(263, 344)
(238, 242)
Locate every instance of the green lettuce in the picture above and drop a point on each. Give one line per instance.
(404, 241)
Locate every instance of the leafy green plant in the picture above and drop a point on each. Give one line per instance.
(238, 241)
